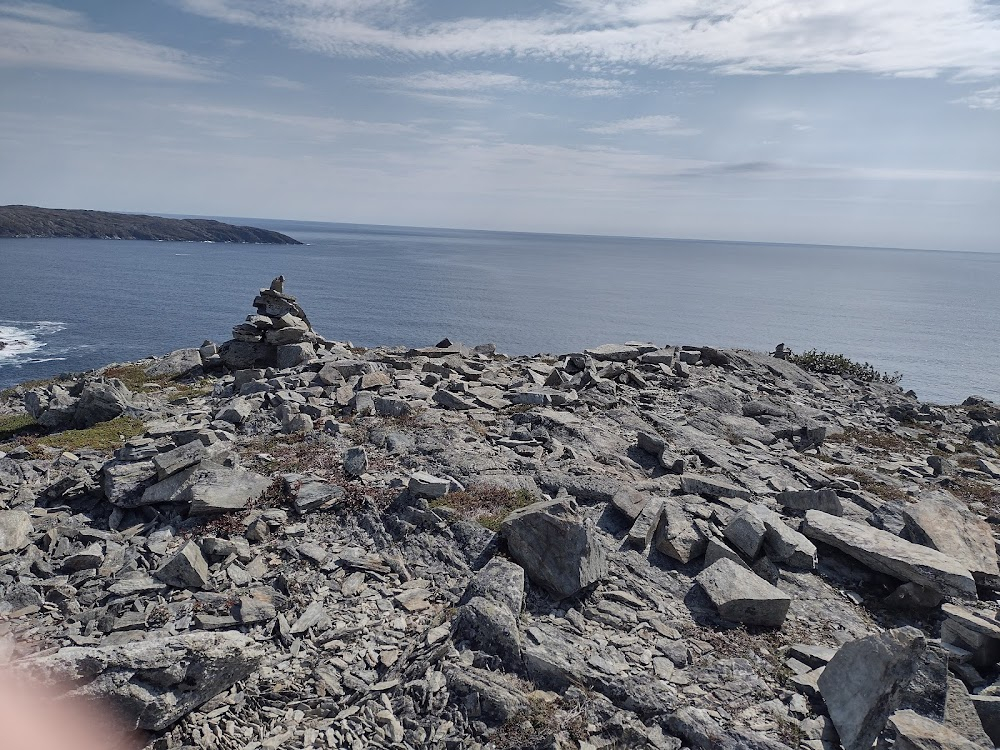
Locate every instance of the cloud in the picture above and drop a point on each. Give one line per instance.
(42, 36)
(892, 37)
(481, 88)
(280, 82)
(651, 124)
(982, 99)
(218, 118)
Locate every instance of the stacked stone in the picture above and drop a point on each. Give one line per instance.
(278, 335)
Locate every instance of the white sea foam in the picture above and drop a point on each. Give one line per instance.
(22, 339)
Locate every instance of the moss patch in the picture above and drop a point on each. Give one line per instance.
(13, 424)
(105, 436)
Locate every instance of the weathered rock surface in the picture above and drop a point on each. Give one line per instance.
(742, 596)
(861, 685)
(886, 553)
(357, 517)
(557, 548)
(153, 682)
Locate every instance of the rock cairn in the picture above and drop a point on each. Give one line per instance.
(638, 546)
(278, 335)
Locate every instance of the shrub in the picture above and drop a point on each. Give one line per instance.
(838, 364)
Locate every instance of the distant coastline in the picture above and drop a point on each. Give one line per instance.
(32, 221)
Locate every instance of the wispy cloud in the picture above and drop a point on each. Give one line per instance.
(982, 99)
(651, 124)
(479, 87)
(894, 37)
(43, 36)
(280, 82)
(292, 125)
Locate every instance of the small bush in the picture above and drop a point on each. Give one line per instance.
(838, 364)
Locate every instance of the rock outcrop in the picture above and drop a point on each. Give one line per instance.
(302, 543)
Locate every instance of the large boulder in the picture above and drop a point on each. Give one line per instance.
(207, 488)
(742, 596)
(15, 530)
(863, 683)
(886, 553)
(153, 682)
(677, 536)
(558, 549)
(177, 364)
(101, 401)
(910, 731)
(938, 520)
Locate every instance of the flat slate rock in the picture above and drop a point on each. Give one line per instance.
(886, 553)
(742, 596)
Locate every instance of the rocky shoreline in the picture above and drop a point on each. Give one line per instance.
(286, 541)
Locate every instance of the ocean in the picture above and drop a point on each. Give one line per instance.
(68, 305)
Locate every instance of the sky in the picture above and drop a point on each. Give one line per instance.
(821, 121)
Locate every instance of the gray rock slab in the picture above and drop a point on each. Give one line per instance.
(825, 500)
(185, 569)
(938, 520)
(746, 533)
(911, 731)
(863, 683)
(677, 536)
(152, 682)
(645, 525)
(177, 364)
(187, 455)
(500, 580)
(886, 553)
(700, 484)
(558, 549)
(15, 530)
(742, 596)
(355, 461)
(124, 481)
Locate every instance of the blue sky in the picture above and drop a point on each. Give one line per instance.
(828, 121)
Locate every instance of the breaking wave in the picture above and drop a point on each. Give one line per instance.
(23, 341)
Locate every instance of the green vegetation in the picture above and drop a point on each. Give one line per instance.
(12, 424)
(485, 504)
(105, 436)
(32, 221)
(838, 364)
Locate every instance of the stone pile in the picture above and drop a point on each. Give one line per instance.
(631, 546)
(278, 335)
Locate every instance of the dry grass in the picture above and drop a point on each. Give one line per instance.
(870, 439)
(971, 491)
(135, 379)
(543, 718)
(868, 483)
(487, 505)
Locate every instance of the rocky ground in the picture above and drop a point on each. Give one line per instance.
(289, 542)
